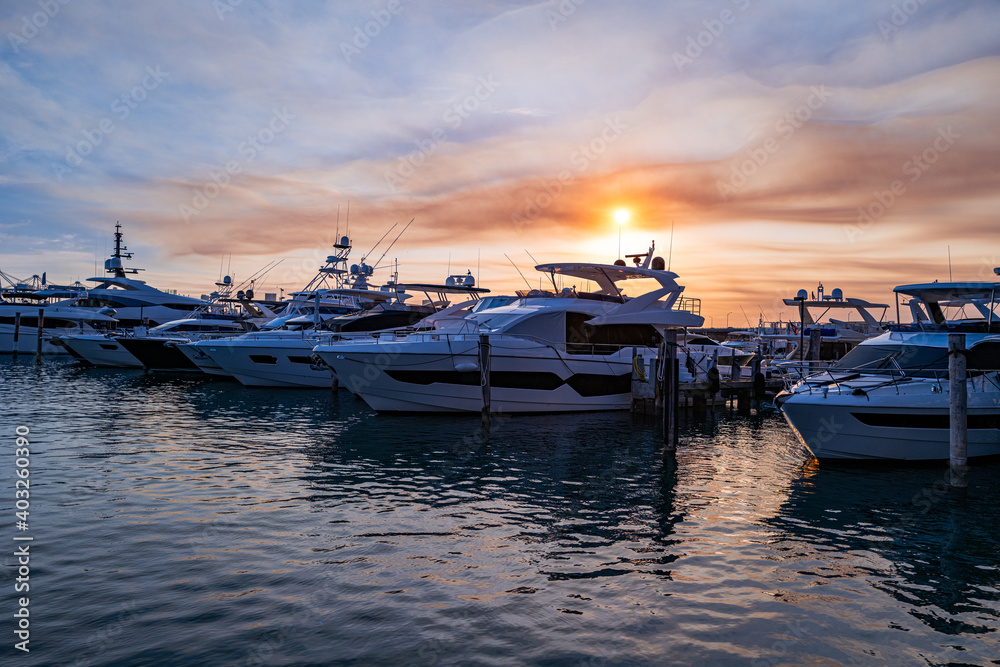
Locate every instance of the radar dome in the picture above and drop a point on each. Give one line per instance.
(837, 294)
(619, 262)
(802, 294)
(658, 264)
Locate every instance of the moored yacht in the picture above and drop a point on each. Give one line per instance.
(133, 303)
(888, 399)
(19, 316)
(283, 358)
(564, 350)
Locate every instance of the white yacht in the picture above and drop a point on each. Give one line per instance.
(888, 399)
(59, 319)
(565, 350)
(133, 303)
(232, 312)
(284, 358)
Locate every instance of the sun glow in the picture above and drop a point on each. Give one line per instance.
(622, 216)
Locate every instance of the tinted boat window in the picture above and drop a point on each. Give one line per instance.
(915, 360)
(984, 357)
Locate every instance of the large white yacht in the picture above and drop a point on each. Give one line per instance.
(565, 350)
(888, 399)
(60, 318)
(133, 303)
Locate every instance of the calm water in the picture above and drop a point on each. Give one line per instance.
(181, 521)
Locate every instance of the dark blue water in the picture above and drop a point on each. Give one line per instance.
(180, 521)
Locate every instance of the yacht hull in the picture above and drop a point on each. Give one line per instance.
(853, 428)
(27, 341)
(197, 356)
(158, 353)
(100, 351)
(443, 376)
(270, 363)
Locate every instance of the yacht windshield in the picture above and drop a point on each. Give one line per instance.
(494, 321)
(911, 359)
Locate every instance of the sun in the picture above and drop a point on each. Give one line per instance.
(622, 216)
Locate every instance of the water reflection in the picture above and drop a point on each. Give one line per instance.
(298, 527)
(933, 549)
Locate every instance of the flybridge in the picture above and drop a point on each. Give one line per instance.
(936, 297)
(606, 275)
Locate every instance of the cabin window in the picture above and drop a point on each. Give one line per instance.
(984, 357)
(584, 338)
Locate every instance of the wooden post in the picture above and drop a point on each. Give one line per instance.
(958, 410)
(815, 344)
(17, 330)
(668, 393)
(756, 394)
(484, 373)
(41, 329)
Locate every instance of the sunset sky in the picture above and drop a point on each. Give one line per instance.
(787, 142)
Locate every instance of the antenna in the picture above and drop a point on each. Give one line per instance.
(518, 270)
(670, 253)
(394, 241)
(348, 230)
(449, 262)
(749, 326)
(363, 257)
(478, 253)
(949, 263)
(338, 223)
(532, 258)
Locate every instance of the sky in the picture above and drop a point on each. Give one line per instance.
(764, 145)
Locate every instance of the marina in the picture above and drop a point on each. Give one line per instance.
(542, 333)
(578, 471)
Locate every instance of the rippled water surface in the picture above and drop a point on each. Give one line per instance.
(181, 520)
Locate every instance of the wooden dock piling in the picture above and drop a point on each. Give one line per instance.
(958, 411)
(669, 392)
(484, 373)
(41, 330)
(17, 330)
